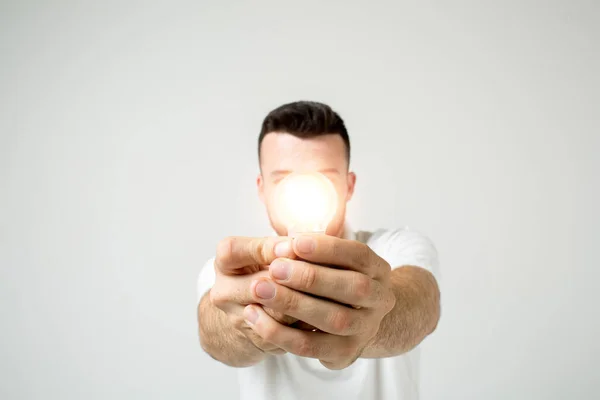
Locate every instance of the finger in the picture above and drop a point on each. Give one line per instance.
(296, 341)
(259, 342)
(235, 254)
(229, 291)
(322, 314)
(346, 287)
(303, 325)
(280, 317)
(348, 254)
(237, 321)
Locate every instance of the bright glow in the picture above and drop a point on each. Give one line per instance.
(305, 202)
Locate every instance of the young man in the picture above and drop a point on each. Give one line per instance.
(318, 316)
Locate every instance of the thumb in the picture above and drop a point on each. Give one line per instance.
(235, 253)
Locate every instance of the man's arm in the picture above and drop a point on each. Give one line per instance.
(414, 316)
(221, 340)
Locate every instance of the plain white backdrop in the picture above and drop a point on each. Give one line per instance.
(128, 149)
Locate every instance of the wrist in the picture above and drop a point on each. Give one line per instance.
(222, 341)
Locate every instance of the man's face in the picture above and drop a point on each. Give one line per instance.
(282, 154)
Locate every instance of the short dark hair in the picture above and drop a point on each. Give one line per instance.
(305, 119)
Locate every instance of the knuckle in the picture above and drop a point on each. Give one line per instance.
(269, 332)
(386, 265)
(390, 301)
(362, 287)
(258, 341)
(259, 251)
(386, 268)
(337, 249)
(224, 250)
(359, 323)
(279, 316)
(340, 321)
(237, 322)
(362, 255)
(308, 277)
(217, 298)
(289, 302)
(303, 347)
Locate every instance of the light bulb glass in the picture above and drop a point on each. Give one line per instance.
(305, 202)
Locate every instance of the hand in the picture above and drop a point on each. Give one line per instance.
(238, 262)
(353, 295)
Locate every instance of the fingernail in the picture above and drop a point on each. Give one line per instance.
(250, 315)
(282, 249)
(305, 244)
(280, 271)
(265, 290)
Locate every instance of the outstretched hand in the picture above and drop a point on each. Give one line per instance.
(239, 261)
(339, 286)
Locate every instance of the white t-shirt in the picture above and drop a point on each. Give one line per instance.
(291, 377)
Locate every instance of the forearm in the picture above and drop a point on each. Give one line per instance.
(414, 316)
(221, 340)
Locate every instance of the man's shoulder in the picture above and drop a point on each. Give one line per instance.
(387, 235)
(401, 246)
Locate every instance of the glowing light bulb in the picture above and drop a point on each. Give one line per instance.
(305, 202)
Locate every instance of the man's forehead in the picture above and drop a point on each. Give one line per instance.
(285, 152)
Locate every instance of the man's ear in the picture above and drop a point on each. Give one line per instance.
(260, 186)
(351, 182)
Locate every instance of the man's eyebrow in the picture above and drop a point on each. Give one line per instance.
(279, 172)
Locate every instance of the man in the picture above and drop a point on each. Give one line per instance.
(318, 316)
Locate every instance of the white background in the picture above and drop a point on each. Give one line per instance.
(128, 149)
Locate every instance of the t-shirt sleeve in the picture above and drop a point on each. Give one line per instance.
(206, 278)
(401, 247)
